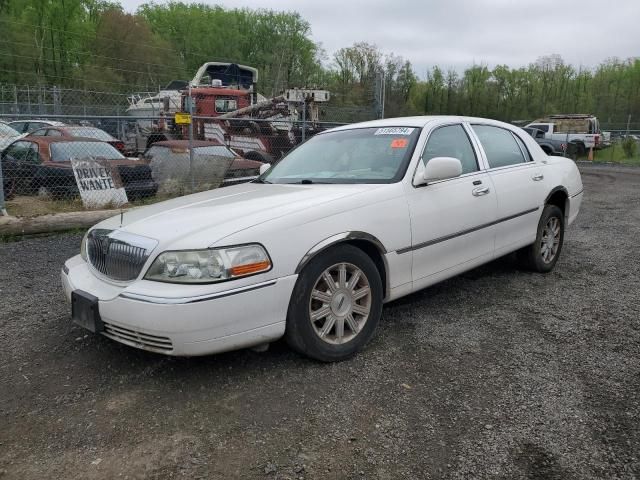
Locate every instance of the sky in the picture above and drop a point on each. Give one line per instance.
(459, 33)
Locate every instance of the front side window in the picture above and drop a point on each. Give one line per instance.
(18, 126)
(52, 133)
(451, 141)
(499, 145)
(224, 105)
(357, 155)
(65, 151)
(23, 152)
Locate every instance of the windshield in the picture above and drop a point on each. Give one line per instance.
(7, 131)
(64, 151)
(359, 155)
(90, 132)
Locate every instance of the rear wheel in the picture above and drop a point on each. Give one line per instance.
(542, 255)
(580, 149)
(335, 306)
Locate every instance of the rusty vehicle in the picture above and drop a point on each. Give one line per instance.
(42, 166)
(176, 153)
(226, 107)
(77, 131)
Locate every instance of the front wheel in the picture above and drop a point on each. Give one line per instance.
(335, 306)
(542, 255)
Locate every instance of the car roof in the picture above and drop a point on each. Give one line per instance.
(185, 143)
(51, 123)
(48, 140)
(418, 122)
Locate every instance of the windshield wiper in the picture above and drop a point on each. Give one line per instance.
(306, 181)
(259, 180)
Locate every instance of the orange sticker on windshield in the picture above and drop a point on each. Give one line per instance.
(399, 143)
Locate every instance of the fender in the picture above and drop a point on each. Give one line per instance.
(338, 238)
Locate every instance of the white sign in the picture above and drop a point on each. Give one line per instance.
(99, 184)
(394, 131)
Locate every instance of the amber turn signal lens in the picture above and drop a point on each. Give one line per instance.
(250, 268)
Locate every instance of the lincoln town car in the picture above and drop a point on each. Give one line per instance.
(353, 218)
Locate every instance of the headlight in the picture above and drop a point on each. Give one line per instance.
(83, 247)
(208, 266)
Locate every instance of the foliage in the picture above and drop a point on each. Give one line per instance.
(94, 44)
(629, 147)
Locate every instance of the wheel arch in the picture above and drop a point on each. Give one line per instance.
(559, 196)
(366, 242)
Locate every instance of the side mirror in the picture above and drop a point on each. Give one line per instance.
(264, 167)
(439, 168)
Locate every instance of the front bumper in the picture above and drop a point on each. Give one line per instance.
(225, 318)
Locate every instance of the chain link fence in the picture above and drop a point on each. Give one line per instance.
(58, 163)
(69, 150)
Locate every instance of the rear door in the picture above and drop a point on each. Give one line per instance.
(519, 185)
(451, 220)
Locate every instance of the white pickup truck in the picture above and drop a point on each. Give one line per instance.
(582, 131)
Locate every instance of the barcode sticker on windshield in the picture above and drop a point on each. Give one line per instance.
(394, 131)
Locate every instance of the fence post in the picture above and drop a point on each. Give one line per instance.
(15, 99)
(628, 123)
(304, 117)
(3, 210)
(191, 139)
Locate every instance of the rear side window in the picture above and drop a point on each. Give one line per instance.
(500, 146)
(53, 133)
(523, 147)
(544, 128)
(451, 141)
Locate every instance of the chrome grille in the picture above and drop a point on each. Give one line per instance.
(137, 339)
(116, 257)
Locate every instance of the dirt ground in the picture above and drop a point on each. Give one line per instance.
(497, 373)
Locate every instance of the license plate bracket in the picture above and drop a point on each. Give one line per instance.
(85, 311)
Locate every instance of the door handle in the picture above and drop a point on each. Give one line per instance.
(478, 192)
(537, 177)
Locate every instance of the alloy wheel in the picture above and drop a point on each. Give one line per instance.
(340, 303)
(550, 241)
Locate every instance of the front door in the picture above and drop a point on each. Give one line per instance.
(451, 220)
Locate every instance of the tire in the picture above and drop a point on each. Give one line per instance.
(580, 149)
(9, 189)
(259, 156)
(547, 150)
(539, 256)
(305, 336)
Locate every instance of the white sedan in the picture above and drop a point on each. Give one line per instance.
(355, 217)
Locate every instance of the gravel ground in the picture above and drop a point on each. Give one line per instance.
(497, 373)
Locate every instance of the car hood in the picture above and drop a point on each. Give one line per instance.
(204, 218)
